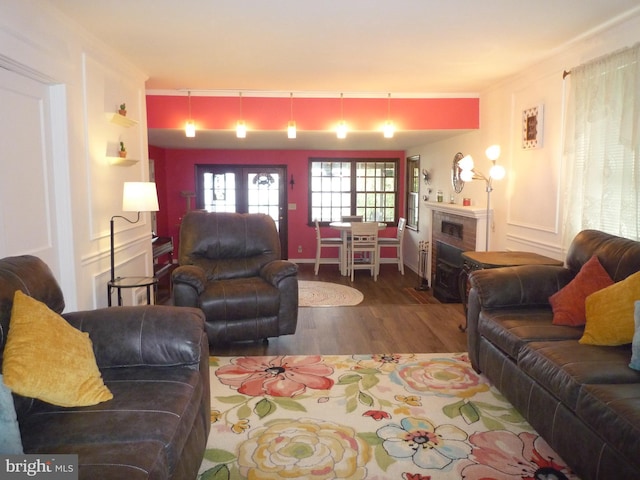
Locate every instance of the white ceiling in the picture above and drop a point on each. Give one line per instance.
(403, 47)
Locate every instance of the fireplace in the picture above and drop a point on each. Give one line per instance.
(448, 268)
(454, 229)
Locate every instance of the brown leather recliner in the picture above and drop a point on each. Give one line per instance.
(231, 268)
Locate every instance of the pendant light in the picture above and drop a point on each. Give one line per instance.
(241, 128)
(388, 129)
(291, 127)
(341, 130)
(190, 126)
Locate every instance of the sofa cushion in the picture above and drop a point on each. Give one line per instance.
(563, 367)
(614, 412)
(240, 298)
(48, 359)
(511, 329)
(569, 303)
(145, 426)
(610, 313)
(635, 346)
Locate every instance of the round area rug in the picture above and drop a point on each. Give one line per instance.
(326, 294)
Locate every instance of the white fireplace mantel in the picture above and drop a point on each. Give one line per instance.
(474, 217)
(479, 213)
(474, 212)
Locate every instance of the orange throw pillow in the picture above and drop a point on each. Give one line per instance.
(568, 304)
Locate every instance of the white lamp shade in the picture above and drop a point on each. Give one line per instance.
(139, 197)
(497, 172)
(388, 129)
(493, 152)
(241, 129)
(190, 129)
(341, 131)
(466, 175)
(466, 163)
(291, 129)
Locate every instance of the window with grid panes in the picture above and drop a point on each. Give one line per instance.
(413, 191)
(364, 187)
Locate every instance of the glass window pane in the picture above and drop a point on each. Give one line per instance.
(333, 186)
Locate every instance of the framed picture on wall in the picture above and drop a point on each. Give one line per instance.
(532, 127)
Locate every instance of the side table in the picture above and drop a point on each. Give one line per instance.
(131, 282)
(481, 260)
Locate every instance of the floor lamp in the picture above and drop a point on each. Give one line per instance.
(497, 172)
(136, 197)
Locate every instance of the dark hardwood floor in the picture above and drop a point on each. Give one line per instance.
(393, 318)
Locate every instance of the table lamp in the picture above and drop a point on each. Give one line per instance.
(136, 197)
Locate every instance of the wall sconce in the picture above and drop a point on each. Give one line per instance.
(190, 126)
(426, 176)
(463, 168)
(291, 182)
(136, 197)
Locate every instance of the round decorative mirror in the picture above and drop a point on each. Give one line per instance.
(426, 176)
(456, 181)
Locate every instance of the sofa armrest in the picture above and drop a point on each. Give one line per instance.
(190, 275)
(188, 281)
(276, 271)
(520, 286)
(143, 336)
(525, 286)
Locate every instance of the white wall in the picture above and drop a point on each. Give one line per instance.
(527, 204)
(59, 143)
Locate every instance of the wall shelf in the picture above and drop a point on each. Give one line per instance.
(122, 120)
(122, 162)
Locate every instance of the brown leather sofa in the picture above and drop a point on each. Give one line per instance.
(231, 268)
(155, 361)
(583, 399)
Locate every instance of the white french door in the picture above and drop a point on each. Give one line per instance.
(245, 189)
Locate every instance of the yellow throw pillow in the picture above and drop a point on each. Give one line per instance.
(610, 313)
(48, 359)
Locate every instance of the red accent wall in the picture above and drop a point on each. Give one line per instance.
(313, 114)
(175, 168)
(175, 172)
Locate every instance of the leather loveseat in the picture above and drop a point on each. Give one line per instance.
(231, 268)
(584, 400)
(155, 362)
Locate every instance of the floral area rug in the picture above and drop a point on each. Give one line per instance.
(327, 294)
(396, 416)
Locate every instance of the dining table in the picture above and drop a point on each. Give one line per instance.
(345, 228)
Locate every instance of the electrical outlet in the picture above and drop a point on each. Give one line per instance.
(299, 248)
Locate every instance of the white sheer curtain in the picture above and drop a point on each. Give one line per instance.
(602, 147)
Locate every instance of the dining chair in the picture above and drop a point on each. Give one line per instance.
(351, 218)
(333, 242)
(395, 242)
(364, 239)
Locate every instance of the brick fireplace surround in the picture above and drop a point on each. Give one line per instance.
(453, 225)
